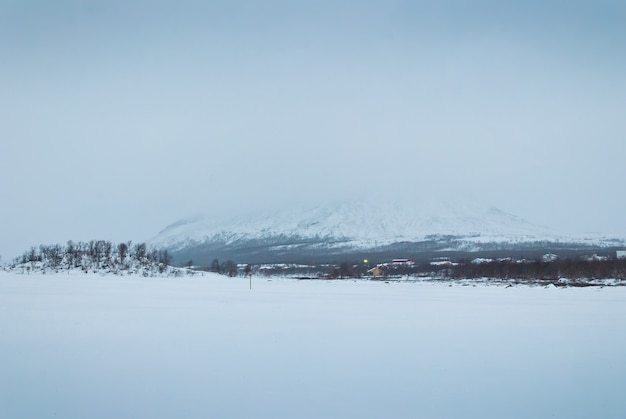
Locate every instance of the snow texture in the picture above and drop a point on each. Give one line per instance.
(209, 347)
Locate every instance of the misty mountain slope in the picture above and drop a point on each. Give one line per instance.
(358, 224)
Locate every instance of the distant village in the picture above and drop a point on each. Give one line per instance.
(548, 267)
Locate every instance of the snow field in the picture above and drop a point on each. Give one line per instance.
(208, 347)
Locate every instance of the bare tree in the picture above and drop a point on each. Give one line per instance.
(140, 251)
(122, 251)
(215, 266)
(230, 268)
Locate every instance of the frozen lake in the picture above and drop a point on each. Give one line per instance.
(208, 347)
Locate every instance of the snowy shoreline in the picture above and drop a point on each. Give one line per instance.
(178, 273)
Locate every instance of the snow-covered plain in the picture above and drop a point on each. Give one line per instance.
(87, 346)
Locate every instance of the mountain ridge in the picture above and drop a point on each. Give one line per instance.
(350, 227)
(354, 221)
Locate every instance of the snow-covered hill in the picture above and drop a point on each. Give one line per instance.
(359, 224)
(362, 223)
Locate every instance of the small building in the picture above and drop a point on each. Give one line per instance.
(377, 271)
(594, 258)
(402, 262)
(480, 261)
(549, 257)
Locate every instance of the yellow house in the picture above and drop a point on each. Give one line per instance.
(376, 271)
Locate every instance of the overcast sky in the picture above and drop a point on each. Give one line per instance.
(120, 117)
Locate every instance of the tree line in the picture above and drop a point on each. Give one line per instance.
(612, 268)
(505, 269)
(95, 255)
(229, 268)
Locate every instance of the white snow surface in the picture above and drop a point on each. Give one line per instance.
(209, 347)
(362, 223)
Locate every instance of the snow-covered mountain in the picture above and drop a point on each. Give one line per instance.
(356, 225)
(360, 223)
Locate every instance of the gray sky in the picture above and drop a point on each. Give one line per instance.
(120, 117)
